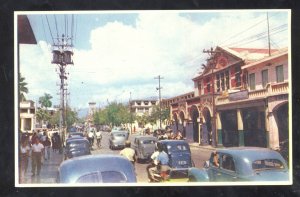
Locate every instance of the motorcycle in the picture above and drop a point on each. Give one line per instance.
(163, 174)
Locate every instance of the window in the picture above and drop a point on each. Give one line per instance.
(228, 163)
(227, 79)
(218, 83)
(208, 85)
(222, 81)
(105, 177)
(279, 74)
(264, 77)
(89, 178)
(238, 76)
(267, 164)
(252, 81)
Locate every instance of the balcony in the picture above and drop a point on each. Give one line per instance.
(270, 90)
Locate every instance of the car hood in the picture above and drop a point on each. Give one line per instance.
(180, 160)
(271, 175)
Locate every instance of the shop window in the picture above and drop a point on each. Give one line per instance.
(264, 77)
(252, 81)
(238, 76)
(279, 74)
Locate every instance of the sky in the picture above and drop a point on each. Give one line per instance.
(118, 55)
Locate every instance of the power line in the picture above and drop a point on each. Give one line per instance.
(258, 36)
(234, 36)
(56, 26)
(44, 30)
(50, 30)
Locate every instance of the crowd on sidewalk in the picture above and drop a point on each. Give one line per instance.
(36, 148)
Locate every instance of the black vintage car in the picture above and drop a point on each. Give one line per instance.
(76, 147)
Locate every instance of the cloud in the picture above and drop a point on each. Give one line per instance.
(125, 58)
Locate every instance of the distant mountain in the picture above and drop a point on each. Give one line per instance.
(83, 112)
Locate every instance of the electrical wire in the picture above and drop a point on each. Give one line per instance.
(56, 26)
(50, 30)
(46, 38)
(251, 27)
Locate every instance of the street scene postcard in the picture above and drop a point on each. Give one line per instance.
(153, 98)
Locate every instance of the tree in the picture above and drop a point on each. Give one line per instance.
(42, 115)
(22, 88)
(45, 100)
(71, 117)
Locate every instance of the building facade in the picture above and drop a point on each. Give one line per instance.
(27, 116)
(240, 99)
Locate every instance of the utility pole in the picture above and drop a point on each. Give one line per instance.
(212, 61)
(130, 113)
(159, 92)
(62, 56)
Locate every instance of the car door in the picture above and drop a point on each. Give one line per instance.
(214, 167)
(227, 170)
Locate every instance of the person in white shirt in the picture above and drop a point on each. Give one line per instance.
(128, 152)
(24, 154)
(152, 167)
(36, 155)
(99, 137)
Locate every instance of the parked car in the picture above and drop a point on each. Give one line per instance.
(117, 139)
(144, 146)
(180, 158)
(242, 164)
(97, 169)
(76, 147)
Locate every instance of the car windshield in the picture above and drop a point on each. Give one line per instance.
(267, 164)
(77, 144)
(148, 142)
(177, 147)
(119, 134)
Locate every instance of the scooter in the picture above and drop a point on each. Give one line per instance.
(162, 175)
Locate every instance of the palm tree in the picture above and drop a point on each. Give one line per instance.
(22, 88)
(45, 100)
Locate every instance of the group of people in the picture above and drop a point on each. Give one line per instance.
(37, 147)
(159, 164)
(92, 135)
(169, 134)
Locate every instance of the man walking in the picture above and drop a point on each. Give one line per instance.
(37, 152)
(128, 152)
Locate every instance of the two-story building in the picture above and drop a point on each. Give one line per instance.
(27, 116)
(240, 99)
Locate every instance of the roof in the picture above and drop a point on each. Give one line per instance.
(173, 142)
(145, 137)
(70, 170)
(25, 33)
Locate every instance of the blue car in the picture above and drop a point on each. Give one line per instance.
(180, 158)
(96, 169)
(242, 164)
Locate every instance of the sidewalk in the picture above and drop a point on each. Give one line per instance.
(196, 145)
(48, 172)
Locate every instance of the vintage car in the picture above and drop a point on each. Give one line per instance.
(117, 139)
(77, 147)
(242, 164)
(180, 158)
(144, 146)
(97, 169)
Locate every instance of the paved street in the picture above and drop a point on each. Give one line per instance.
(50, 167)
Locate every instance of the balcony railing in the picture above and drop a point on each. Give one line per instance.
(270, 90)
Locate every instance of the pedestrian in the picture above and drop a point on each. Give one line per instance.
(54, 143)
(91, 138)
(47, 145)
(36, 156)
(33, 138)
(152, 167)
(128, 152)
(24, 155)
(179, 135)
(99, 137)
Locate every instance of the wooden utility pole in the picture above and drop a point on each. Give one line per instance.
(159, 92)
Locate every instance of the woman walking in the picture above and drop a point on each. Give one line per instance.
(24, 154)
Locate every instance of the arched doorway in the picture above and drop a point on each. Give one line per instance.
(175, 118)
(282, 122)
(195, 116)
(207, 127)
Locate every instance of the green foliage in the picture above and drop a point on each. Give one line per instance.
(114, 114)
(22, 88)
(45, 100)
(71, 117)
(43, 115)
